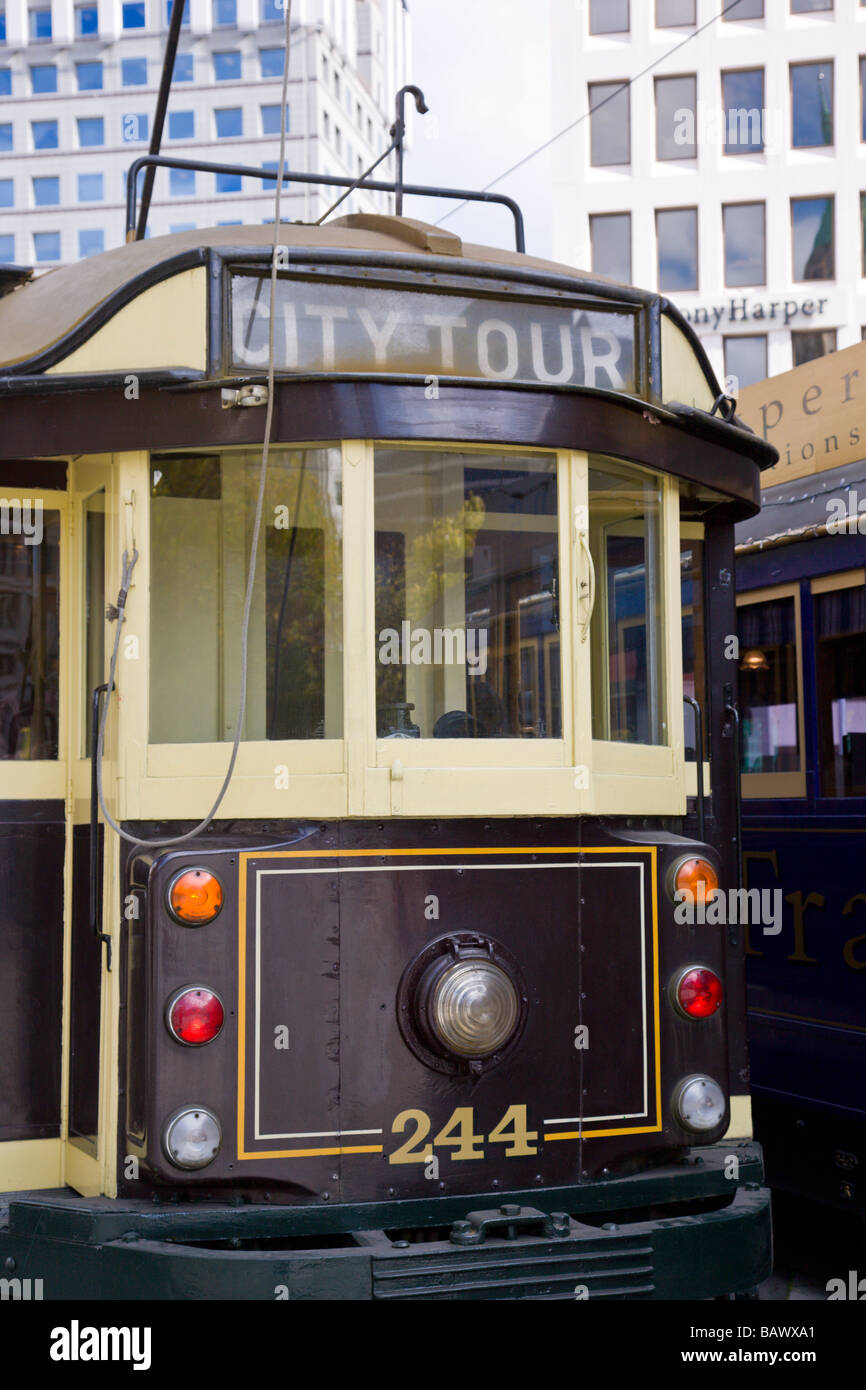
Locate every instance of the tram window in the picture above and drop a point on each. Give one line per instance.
(29, 631)
(94, 605)
(694, 653)
(840, 644)
(628, 696)
(202, 513)
(768, 686)
(467, 611)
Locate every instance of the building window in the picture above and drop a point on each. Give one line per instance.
(326, 125)
(43, 79)
(183, 67)
(268, 185)
(813, 232)
(610, 235)
(271, 11)
(91, 241)
(743, 106)
(134, 127)
(811, 104)
(184, 23)
(133, 14)
(7, 193)
(807, 6)
(89, 77)
(225, 12)
(338, 140)
(676, 99)
(227, 66)
(229, 122)
(183, 227)
(608, 17)
(809, 344)
(271, 120)
(7, 248)
(2, 26)
(46, 246)
(677, 235)
(91, 131)
(231, 222)
(228, 183)
(745, 9)
(863, 96)
(40, 24)
(746, 359)
(863, 233)
(46, 192)
(181, 125)
(44, 135)
(745, 244)
(91, 188)
(675, 14)
(5, 82)
(5, 137)
(609, 123)
(133, 72)
(272, 60)
(86, 21)
(181, 183)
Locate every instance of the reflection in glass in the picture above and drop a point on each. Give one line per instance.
(677, 232)
(840, 635)
(29, 631)
(94, 606)
(746, 358)
(675, 13)
(743, 105)
(202, 511)
(609, 123)
(467, 595)
(745, 260)
(626, 629)
(814, 238)
(811, 104)
(745, 9)
(806, 6)
(694, 655)
(610, 234)
(608, 16)
(676, 99)
(808, 345)
(768, 687)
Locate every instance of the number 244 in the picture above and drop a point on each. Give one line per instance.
(459, 1133)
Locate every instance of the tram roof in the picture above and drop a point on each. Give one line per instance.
(796, 510)
(40, 312)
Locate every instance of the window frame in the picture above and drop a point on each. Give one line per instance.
(776, 785)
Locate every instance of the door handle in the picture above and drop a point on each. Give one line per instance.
(586, 587)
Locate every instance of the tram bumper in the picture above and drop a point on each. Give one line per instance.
(674, 1232)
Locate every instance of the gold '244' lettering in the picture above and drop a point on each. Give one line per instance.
(458, 1133)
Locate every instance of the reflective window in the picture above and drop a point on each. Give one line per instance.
(30, 645)
(467, 611)
(807, 345)
(609, 123)
(272, 61)
(610, 234)
(181, 183)
(7, 248)
(91, 131)
(744, 9)
(745, 244)
(229, 183)
(2, 26)
(7, 193)
(202, 512)
(743, 108)
(626, 628)
(183, 67)
(271, 11)
(269, 184)
(181, 125)
(46, 246)
(5, 82)
(91, 188)
(806, 6)
(5, 136)
(91, 241)
(227, 66)
(608, 16)
(225, 11)
(44, 135)
(40, 24)
(43, 78)
(677, 233)
(86, 20)
(840, 640)
(46, 192)
(746, 359)
(89, 76)
(770, 738)
(675, 14)
(271, 120)
(133, 72)
(133, 14)
(813, 231)
(676, 99)
(811, 104)
(184, 23)
(694, 647)
(229, 122)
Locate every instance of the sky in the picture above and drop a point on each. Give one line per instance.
(484, 67)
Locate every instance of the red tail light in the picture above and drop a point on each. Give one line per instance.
(698, 992)
(194, 1015)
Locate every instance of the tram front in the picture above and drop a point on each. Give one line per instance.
(433, 1002)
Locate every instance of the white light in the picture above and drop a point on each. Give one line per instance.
(699, 1104)
(474, 1008)
(192, 1138)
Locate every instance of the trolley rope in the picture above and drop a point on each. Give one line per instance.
(118, 613)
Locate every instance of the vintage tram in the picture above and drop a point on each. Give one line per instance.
(411, 1016)
(801, 580)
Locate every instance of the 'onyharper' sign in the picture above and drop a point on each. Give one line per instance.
(327, 327)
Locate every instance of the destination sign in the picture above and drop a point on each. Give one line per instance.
(326, 327)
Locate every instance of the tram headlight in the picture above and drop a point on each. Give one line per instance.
(699, 1104)
(697, 992)
(194, 1015)
(473, 1007)
(192, 1137)
(694, 875)
(195, 897)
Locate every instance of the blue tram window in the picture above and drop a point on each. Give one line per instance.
(840, 648)
(769, 698)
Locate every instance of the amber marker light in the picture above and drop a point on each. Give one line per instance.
(195, 896)
(694, 876)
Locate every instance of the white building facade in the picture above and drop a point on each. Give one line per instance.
(78, 88)
(732, 176)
